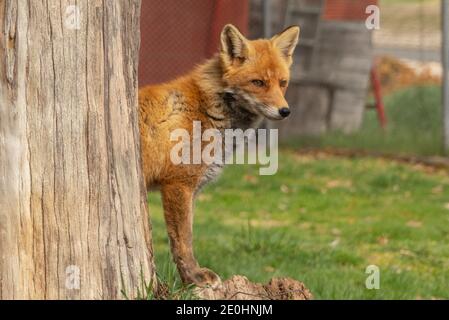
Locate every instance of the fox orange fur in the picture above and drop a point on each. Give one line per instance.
(238, 88)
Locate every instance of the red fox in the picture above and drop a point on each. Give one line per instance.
(237, 88)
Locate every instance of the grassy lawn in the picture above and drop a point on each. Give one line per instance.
(414, 126)
(323, 221)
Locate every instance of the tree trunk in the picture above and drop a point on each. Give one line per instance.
(73, 213)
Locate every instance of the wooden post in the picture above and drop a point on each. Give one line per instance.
(73, 218)
(445, 59)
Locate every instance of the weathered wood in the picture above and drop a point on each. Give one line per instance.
(309, 112)
(343, 63)
(340, 60)
(344, 56)
(71, 189)
(347, 110)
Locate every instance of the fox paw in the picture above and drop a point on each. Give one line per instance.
(203, 277)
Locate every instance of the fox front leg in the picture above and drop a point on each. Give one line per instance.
(178, 212)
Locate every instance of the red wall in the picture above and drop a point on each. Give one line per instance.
(347, 9)
(176, 35)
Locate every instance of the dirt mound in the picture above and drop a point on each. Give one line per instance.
(240, 288)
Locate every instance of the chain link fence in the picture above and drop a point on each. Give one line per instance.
(176, 35)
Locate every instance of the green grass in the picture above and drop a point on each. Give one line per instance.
(414, 126)
(323, 221)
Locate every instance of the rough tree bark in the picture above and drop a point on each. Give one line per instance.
(71, 191)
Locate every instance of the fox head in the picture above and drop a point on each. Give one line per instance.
(258, 72)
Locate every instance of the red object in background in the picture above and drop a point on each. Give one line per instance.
(375, 82)
(227, 11)
(177, 35)
(346, 10)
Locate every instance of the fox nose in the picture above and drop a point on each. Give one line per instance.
(284, 112)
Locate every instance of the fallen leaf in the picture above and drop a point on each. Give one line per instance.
(414, 224)
(250, 178)
(269, 269)
(204, 197)
(406, 252)
(338, 184)
(437, 189)
(282, 206)
(383, 240)
(335, 243)
(305, 225)
(335, 232)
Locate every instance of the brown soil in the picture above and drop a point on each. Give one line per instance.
(240, 288)
(429, 163)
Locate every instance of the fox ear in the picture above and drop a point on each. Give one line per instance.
(287, 40)
(233, 43)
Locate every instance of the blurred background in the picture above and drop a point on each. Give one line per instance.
(337, 65)
(362, 174)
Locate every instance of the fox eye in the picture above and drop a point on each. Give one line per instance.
(258, 83)
(283, 83)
